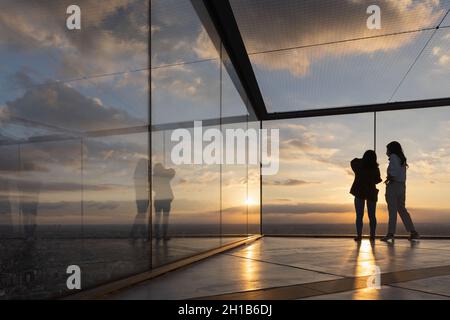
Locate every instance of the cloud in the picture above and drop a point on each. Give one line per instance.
(306, 208)
(305, 146)
(204, 48)
(22, 79)
(45, 186)
(195, 176)
(113, 37)
(283, 200)
(196, 83)
(60, 105)
(301, 213)
(71, 210)
(115, 158)
(178, 34)
(296, 24)
(179, 39)
(138, 81)
(323, 141)
(183, 88)
(442, 53)
(9, 162)
(287, 182)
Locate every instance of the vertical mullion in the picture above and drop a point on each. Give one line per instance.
(375, 131)
(149, 137)
(248, 162)
(221, 144)
(260, 180)
(82, 185)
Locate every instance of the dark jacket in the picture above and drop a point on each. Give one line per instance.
(364, 185)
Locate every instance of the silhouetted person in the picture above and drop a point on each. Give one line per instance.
(367, 176)
(139, 229)
(28, 206)
(396, 192)
(163, 198)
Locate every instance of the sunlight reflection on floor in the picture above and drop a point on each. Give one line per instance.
(366, 266)
(251, 269)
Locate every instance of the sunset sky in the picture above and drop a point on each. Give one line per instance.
(315, 175)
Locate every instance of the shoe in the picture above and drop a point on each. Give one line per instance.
(414, 236)
(372, 239)
(389, 238)
(357, 238)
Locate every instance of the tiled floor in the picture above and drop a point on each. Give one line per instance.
(177, 248)
(385, 293)
(309, 267)
(436, 285)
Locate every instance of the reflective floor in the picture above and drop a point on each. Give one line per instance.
(311, 268)
(37, 269)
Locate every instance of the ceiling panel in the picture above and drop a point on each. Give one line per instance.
(268, 25)
(321, 54)
(446, 22)
(344, 74)
(430, 77)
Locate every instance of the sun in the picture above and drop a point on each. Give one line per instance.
(250, 201)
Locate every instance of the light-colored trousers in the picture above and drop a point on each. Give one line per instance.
(395, 199)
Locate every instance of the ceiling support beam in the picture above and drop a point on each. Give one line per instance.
(391, 106)
(221, 15)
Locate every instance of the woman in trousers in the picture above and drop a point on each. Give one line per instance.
(367, 176)
(396, 192)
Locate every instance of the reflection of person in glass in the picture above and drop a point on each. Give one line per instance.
(139, 229)
(5, 206)
(163, 198)
(28, 207)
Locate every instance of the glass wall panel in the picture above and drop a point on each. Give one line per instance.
(115, 207)
(425, 137)
(234, 184)
(186, 202)
(44, 187)
(9, 168)
(197, 205)
(185, 87)
(310, 193)
(236, 202)
(74, 115)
